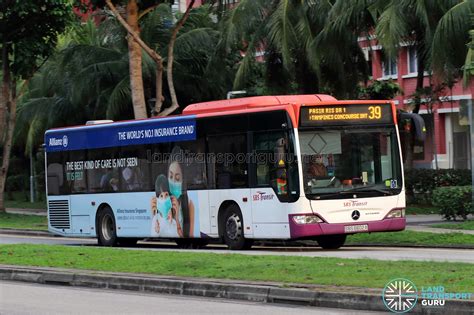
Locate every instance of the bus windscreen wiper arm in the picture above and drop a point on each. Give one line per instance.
(364, 188)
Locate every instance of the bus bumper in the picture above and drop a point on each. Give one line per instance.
(316, 229)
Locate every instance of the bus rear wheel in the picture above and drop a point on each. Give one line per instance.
(233, 229)
(105, 227)
(331, 241)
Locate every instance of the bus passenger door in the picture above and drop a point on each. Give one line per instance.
(270, 174)
(228, 178)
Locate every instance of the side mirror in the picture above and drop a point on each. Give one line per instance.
(412, 123)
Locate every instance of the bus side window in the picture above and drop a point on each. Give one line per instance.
(228, 154)
(194, 163)
(78, 182)
(265, 157)
(55, 178)
(281, 178)
(275, 164)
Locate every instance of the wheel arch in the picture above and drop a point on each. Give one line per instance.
(101, 207)
(220, 215)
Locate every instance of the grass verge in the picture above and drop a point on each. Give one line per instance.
(19, 199)
(411, 238)
(21, 221)
(466, 225)
(456, 277)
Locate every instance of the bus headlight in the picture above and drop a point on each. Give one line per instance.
(307, 219)
(396, 213)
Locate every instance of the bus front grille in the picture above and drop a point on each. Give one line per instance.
(59, 214)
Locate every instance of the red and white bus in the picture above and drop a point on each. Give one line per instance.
(268, 167)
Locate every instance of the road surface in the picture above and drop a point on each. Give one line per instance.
(18, 298)
(379, 253)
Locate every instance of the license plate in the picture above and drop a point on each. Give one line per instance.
(356, 228)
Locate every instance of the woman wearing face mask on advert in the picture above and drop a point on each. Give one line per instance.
(163, 223)
(182, 207)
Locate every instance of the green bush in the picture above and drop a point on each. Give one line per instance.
(17, 183)
(455, 201)
(420, 183)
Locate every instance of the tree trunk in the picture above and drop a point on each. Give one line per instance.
(159, 89)
(419, 82)
(408, 150)
(169, 66)
(7, 125)
(135, 63)
(134, 33)
(419, 85)
(4, 94)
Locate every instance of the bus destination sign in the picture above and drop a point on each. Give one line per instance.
(346, 114)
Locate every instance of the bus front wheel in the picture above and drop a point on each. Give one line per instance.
(233, 229)
(106, 230)
(331, 241)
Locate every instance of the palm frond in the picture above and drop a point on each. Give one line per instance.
(450, 38)
(243, 70)
(282, 33)
(392, 28)
(119, 99)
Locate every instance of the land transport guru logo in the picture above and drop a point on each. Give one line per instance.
(400, 295)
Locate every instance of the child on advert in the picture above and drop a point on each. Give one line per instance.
(163, 223)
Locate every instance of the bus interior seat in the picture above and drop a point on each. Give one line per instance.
(224, 180)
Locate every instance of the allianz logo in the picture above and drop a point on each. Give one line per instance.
(55, 142)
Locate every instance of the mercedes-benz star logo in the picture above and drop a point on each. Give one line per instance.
(355, 215)
(400, 295)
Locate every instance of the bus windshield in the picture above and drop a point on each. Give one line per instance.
(347, 163)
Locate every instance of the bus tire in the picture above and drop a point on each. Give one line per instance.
(106, 228)
(331, 241)
(233, 229)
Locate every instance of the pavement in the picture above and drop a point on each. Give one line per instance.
(41, 212)
(422, 222)
(354, 298)
(82, 300)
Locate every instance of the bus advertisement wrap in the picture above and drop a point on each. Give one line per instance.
(164, 216)
(121, 135)
(161, 204)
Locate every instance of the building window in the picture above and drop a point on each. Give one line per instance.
(390, 67)
(412, 60)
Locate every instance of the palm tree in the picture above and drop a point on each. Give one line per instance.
(449, 50)
(469, 64)
(198, 72)
(417, 22)
(88, 77)
(293, 38)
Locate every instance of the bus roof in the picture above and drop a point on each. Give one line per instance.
(242, 104)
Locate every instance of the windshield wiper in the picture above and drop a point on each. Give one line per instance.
(360, 189)
(364, 188)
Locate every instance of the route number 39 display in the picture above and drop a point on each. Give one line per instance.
(375, 112)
